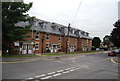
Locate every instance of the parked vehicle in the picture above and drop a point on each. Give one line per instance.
(117, 51)
(97, 49)
(111, 53)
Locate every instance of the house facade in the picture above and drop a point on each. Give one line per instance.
(47, 37)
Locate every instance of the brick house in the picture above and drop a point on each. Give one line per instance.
(47, 37)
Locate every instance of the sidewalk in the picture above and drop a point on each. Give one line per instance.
(42, 57)
(117, 59)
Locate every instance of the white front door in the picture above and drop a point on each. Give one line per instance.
(51, 49)
(30, 49)
(24, 49)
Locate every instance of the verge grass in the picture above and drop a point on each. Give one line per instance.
(50, 54)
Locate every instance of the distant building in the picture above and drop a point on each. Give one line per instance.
(47, 37)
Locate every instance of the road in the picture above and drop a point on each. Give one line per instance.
(81, 66)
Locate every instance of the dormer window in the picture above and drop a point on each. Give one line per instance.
(87, 34)
(79, 33)
(59, 29)
(73, 31)
(35, 23)
(83, 33)
(42, 24)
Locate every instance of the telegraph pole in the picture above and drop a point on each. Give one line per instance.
(67, 38)
(42, 43)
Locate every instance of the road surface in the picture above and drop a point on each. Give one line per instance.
(81, 66)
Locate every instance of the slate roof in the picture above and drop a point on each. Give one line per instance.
(54, 28)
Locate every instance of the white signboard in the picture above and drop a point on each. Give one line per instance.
(16, 44)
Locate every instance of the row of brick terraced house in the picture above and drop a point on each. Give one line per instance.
(47, 37)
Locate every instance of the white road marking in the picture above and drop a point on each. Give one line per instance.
(40, 75)
(67, 68)
(77, 68)
(29, 78)
(51, 73)
(66, 72)
(57, 74)
(46, 77)
(71, 70)
(60, 70)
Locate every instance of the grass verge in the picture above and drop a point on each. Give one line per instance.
(50, 54)
(55, 54)
(20, 56)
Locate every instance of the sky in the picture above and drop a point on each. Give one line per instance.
(94, 16)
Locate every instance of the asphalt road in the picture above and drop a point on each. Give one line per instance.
(82, 66)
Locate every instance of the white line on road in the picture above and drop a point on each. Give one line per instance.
(40, 75)
(67, 68)
(60, 70)
(77, 68)
(29, 78)
(46, 77)
(57, 74)
(66, 72)
(51, 73)
(72, 69)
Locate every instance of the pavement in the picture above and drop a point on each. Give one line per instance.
(116, 59)
(43, 57)
(30, 59)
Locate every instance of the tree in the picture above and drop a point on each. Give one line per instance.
(106, 41)
(115, 34)
(96, 42)
(12, 13)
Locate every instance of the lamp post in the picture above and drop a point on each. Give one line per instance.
(67, 38)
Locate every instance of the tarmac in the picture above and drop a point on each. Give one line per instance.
(43, 57)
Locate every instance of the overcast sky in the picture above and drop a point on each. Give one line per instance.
(94, 16)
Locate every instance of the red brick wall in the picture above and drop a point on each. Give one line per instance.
(54, 39)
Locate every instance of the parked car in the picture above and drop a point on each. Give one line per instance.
(111, 53)
(117, 51)
(97, 49)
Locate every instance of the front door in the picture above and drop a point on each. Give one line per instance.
(24, 49)
(30, 49)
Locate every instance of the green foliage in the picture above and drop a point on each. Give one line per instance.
(106, 40)
(115, 34)
(96, 42)
(12, 13)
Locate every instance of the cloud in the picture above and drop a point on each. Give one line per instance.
(94, 16)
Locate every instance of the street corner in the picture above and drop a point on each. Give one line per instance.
(115, 60)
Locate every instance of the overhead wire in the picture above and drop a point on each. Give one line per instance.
(77, 11)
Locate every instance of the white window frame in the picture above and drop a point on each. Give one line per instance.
(59, 38)
(47, 46)
(38, 45)
(47, 36)
(37, 35)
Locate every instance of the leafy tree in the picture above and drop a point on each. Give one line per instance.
(115, 34)
(12, 13)
(96, 42)
(106, 41)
